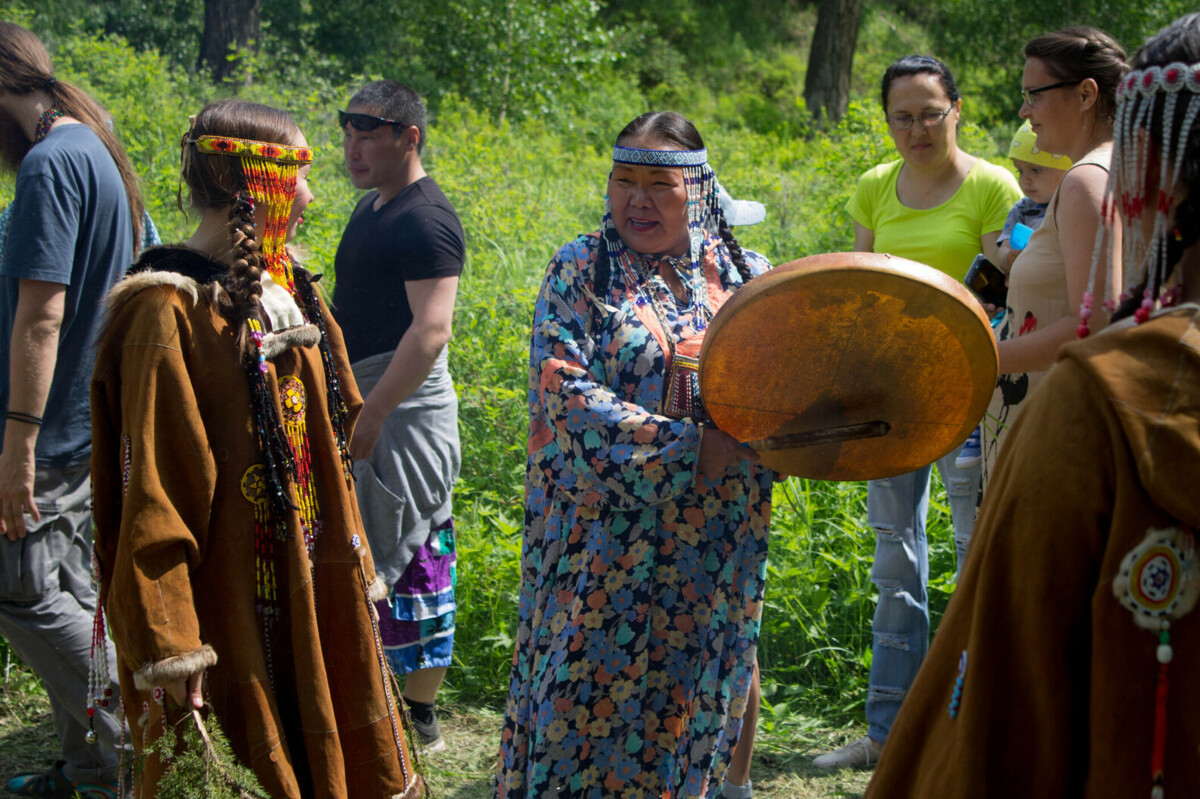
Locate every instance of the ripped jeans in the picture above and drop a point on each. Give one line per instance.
(896, 510)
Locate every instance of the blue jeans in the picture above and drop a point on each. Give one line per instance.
(896, 510)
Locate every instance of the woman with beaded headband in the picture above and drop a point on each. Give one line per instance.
(645, 537)
(230, 551)
(1065, 663)
(1069, 91)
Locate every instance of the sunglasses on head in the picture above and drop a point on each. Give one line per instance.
(364, 122)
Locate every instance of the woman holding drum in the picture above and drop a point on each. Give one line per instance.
(645, 537)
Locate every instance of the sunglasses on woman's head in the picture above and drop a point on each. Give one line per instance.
(364, 122)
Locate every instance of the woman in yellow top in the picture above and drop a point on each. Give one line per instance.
(940, 206)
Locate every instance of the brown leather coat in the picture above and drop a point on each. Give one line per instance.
(313, 712)
(1058, 693)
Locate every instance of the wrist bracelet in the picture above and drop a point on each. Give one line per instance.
(27, 418)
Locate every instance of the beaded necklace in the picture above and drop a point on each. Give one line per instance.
(45, 122)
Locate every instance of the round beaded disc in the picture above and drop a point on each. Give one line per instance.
(1157, 579)
(254, 484)
(293, 399)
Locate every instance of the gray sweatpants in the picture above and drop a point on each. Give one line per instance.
(47, 604)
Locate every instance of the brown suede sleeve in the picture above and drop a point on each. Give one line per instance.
(155, 480)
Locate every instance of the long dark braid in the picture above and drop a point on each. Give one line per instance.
(603, 269)
(735, 250)
(245, 274)
(244, 287)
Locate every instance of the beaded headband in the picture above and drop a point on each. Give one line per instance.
(279, 153)
(1145, 263)
(636, 155)
(704, 216)
(269, 171)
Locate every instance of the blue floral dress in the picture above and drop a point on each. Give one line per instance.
(641, 581)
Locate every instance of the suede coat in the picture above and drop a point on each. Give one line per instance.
(174, 453)
(1059, 687)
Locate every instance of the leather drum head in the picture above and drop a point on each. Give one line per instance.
(848, 339)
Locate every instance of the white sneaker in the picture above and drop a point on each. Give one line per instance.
(863, 753)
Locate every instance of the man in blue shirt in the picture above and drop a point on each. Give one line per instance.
(74, 218)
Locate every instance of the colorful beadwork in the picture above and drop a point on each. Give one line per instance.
(278, 461)
(272, 184)
(1158, 579)
(45, 122)
(294, 401)
(254, 489)
(338, 412)
(956, 695)
(279, 153)
(1156, 110)
(1157, 582)
(636, 155)
(99, 677)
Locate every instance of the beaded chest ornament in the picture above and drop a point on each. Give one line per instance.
(1148, 100)
(1158, 582)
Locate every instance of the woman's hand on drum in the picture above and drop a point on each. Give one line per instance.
(720, 451)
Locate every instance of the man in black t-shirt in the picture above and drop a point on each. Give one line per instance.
(397, 269)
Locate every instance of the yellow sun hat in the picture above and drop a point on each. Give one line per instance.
(1024, 148)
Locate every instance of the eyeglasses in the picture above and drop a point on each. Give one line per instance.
(928, 119)
(1030, 95)
(364, 122)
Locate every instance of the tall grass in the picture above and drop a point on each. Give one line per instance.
(522, 192)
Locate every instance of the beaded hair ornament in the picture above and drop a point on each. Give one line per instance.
(269, 171)
(1142, 97)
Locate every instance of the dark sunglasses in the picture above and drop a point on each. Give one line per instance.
(364, 122)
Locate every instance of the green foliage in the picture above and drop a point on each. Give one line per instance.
(200, 762)
(991, 69)
(516, 56)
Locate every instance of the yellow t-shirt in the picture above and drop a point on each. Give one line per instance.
(945, 237)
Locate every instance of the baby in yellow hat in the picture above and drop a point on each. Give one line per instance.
(1039, 174)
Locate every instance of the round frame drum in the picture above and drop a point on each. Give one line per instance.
(849, 366)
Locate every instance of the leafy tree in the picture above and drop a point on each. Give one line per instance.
(991, 62)
(229, 26)
(827, 83)
(514, 56)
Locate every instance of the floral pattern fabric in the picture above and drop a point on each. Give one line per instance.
(641, 581)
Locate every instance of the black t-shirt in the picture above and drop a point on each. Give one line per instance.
(415, 236)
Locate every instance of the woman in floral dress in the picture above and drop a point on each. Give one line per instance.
(645, 528)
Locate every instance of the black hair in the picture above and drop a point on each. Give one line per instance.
(395, 101)
(918, 65)
(673, 128)
(1080, 52)
(1179, 41)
